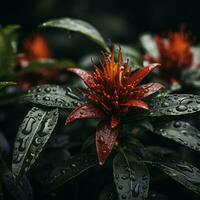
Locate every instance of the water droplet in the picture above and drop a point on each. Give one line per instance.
(120, 187)
(185, 167)
(181, 108)
(124, 177)
(124, 196)
(47, 89)
(28, 126)
(73, 165)
(135, 192)
(177, 124)
(39, 89)
(46, 98)
(165, 104)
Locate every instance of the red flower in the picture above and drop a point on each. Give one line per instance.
(112, 89)
(175, 53)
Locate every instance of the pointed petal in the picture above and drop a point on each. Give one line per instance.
(84, 75)
(83, 112)
(105, 140)
(114, 121)
(151, 88)
(138, 76)
(137, 104)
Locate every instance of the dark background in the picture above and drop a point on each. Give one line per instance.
(121, 20)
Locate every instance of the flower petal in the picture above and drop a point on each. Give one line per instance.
(84, 75)
(105, 140)
(138, 76)
(151, 88)
(83, 112)
(136, 103)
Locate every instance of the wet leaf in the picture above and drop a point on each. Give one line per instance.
(33, 134)
(108, 193)
(46, 64)
(70, 169)
(131, 177)
(173, 104)
(181, 132)
(182, 172)
(55, 96)
(10, 188)
(6, 84)
(79, 26)
(167, 161)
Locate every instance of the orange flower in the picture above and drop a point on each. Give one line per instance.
(36, 48)
(175, 53)
(112, 90)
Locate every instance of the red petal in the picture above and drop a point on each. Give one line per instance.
(151, 88)
(137, 103)
(105, 140)
(84, 75)
(114, 121)
(138, 76)
(83, 112)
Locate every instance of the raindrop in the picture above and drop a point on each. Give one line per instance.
(46, 98)
(135, 192)
(73, 165)
(177, 124)
(165, 104)
(47, 89)
(39, 89)
(124, 177)
(185, 167)
(120, 187)
(124, 196)
(181, 108)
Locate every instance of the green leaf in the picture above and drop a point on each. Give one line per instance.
(132, 54)
(77, 25)
(70, 169)
(173, 104)
(181, 132)
(108, 193)
(6, 84)
(149, 45)
(182, 172)
(12, 32)
(55, 96)
(7, 55)
(33, 134)
(46, 64)
(131, 177)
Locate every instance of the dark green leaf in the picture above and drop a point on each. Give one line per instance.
(80, 26)
(55, 96)
(6, 54)
(149, 45)
(181, 132)
(46, 64)
(182, 172)
(12, 32)
(131, 177)
(174, 104)
(70, 169)
(33, 134)
(108, 193)
(6, 84)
